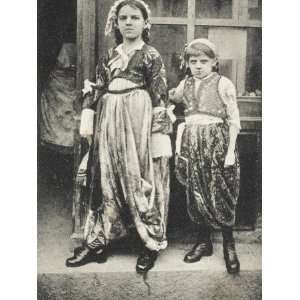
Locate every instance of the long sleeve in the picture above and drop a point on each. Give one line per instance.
(177, 94)
(156, 82)
(91, 99)
(156, 78)
(228, 95)
(101, 80)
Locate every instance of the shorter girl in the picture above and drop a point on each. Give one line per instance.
(207, 162)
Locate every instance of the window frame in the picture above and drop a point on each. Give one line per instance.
(239, 20)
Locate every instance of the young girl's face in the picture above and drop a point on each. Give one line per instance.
(131, 22)
(201, 65)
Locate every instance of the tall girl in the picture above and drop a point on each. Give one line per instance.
(130, 87)
(207, 162)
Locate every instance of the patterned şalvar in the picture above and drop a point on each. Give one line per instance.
(212, 189)
(127, 187)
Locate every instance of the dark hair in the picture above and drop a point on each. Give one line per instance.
(136, 4)
(197, 49)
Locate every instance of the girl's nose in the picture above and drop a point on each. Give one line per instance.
(128, 21)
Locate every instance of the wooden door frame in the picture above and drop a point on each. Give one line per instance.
(86, 56)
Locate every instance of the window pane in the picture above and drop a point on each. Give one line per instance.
(253, 62)
(201, 32)
(170, 48)
(168, 8)
(231, 44)
(225, 68)
(216, 9)
(254, 9)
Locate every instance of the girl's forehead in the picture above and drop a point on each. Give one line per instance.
(201, 55)
(130, 10)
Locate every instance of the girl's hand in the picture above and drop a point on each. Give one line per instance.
(172, 93)
(229, 159)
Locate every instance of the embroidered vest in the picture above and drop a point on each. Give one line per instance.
(206, 100)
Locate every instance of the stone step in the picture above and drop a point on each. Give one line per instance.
(189, 285)
(171, 278)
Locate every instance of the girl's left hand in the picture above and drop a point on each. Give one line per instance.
(172, 93)
(229, 159)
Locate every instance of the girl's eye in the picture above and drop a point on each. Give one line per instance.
(135, 17)
(122, 18)
(203, 61)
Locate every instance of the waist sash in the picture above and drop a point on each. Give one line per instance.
(123, 91)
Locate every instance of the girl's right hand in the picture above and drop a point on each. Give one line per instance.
(88, 86)
(171, 114)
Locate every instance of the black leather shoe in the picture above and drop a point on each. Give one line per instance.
(146, 260)
(198, 251)
(84, 255)
(231, 259)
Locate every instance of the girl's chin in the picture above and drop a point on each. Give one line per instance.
(130, 36)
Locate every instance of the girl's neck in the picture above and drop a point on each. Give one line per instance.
(129, 44)
(208, 75)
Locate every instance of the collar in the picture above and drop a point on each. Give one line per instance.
(122, 59)
(138, 46)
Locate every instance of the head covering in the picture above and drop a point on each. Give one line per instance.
(205, 42)
(112, 16)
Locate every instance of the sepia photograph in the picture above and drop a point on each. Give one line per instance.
(149, 149)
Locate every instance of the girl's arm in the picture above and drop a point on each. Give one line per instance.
(228, 94)
(91, 97)
(98, 88)
(230, 156)
(176, 94)
(156, 79)
(157, 86)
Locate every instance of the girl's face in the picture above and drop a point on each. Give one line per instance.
(201, 65)
(131, 23)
